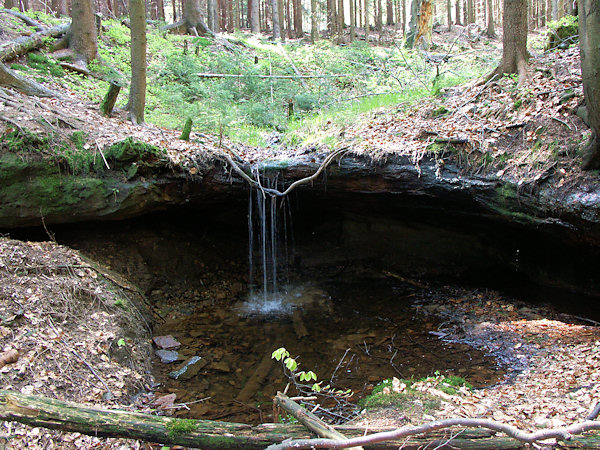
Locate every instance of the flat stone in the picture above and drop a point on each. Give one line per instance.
(167, 342)
(221, 366)
(168, 356)
(189, 369)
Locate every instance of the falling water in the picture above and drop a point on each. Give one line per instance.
(267, 248)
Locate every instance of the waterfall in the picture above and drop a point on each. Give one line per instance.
(267, 246)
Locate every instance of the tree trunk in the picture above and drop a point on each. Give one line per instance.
(379, 22)
(254, 16)
(275, 19)
(59, 7)
(211, 10)
(389, 14)
(449, 12)
(83, 39)
(352, 7)
(555, 10)
(137, 89)
(314, 24)
(340, 21)
(403, 17)
(589, 38)
(298, 18)
(491, 30)
(457, 7)
(514, 40)
(415, 7)
(14, 80)
(423, 36)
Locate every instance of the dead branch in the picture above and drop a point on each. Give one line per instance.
(563, 434)
(308, 419)
(295, 184)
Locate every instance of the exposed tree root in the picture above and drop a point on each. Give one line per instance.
(274, 192)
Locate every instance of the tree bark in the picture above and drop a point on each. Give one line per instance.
(457, 7)
(389, 13)
(340, 21)
(415, 6)
(254, 16)
(14, 80)
(275, 19)
(514, 40)
(137, 89)
(59, 7)
(491, 30)
(83, 38)
(352, 7)
(298, 31)
(314, 24)
(449, 14)
(589, 38)
(25, 44)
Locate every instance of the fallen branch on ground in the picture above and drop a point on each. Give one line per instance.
(28, 20)
(292, 186)
(562, 434)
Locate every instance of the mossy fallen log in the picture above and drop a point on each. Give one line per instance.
(25, 44)
(66, 416)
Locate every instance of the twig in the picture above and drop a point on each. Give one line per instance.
(565, 433)
(562, 121)
(102, 154)
(338, 366)
(595, 412)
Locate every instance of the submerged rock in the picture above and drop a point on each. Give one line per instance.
(168, 356)
(167, 342)
(189, 369)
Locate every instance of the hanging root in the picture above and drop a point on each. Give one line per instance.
(274, 192)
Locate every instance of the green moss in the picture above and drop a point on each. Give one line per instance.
(274, 165)
(24, 141)
(506, 192)
(131, 150)
(177, 427)
(439, 112)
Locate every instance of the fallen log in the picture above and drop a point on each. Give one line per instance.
(66, 416)
(256, 379)
(28, 20)
(25, 44)
(12, 79)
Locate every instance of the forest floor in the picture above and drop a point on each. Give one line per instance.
(64, 314)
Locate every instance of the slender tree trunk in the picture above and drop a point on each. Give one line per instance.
(340, 21)
(415, 7)
(589, 38)
(314, 25)
(555, 10)
(403, 17)
(280, 10)
(491, 30)
(457, 12)
(352, 19)
(137, 89)
(449, 13)
(470, 12)
(367, 23)
(288, 19)
(298, 18)
(379, 20)
(254, 16)
(389, 14)
(275, 19)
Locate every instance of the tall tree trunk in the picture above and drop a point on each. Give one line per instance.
(379, 20)
(275, 19)
(58, 6)
(352, 19)
(415, 7)
(254, 16)
(160, 5)
(514, 40)
(280, 10)
(367, 23)
(288, 19)
(491, 30)
(83, 39)
(389, 14)
(555, 10)
(137, 89)
(403, 17)
(449, 13)
(589, 38)
(340, 21)
(314, 25)
(298, 18)
(211, 14)
(457, 12)
(470, 12)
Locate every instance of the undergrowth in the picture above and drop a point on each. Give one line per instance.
(343, 82)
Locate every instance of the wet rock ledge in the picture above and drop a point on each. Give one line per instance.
(132, 179)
